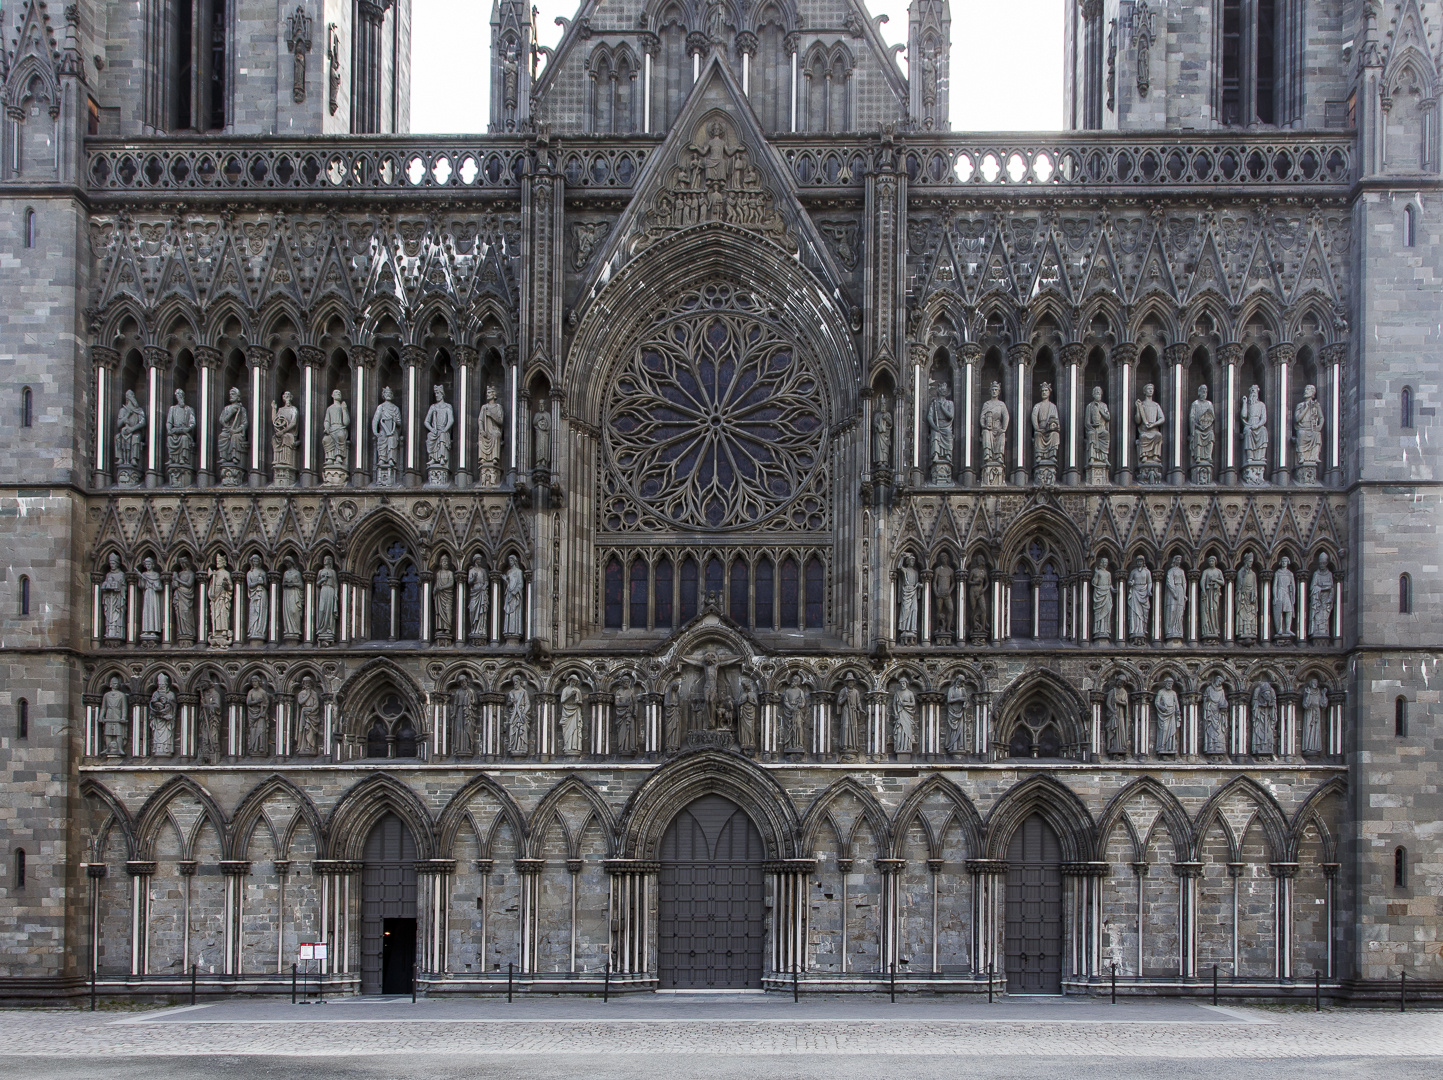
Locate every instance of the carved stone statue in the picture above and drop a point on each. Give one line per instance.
(257, 601)
(904, 717)
(113, 593)
(220, 597)
(908, 586)
(1320, 601)
(293, 602)
(152, 607)
(1139, 603)
(114, 719)
(851, 719)
(1210, 596)
(1118, 732)
(232, 440)
(1265, 719)
(882, 437)
(794, 714)
(1315, 700)
(1285, 600)
(1046, 439)
(1308, 433)
(1202, 420)
(541, 436)
(386, 429)
(1097, 427)
(940, 413)
(1174, 600)
(747, 707)
(513, 580)
(1167, 715)
(180, 442)
(327, 601)
(162, 718)
(208, 746)
(1101, 601)
(488, 451)
(1150, 419)
(959, 718)
(944, 593)
(570, 700)
(978, 586)
(1255, 438)
(623, 710)
(1246, 628)
(258, 719)
(466, 717)
(440, 419)
(285, 419)
(1215, 717)
(308, 718)
(993, 423)
(129, 442)
(443, 600)
(478, 601)
(518, 718)
(182, 601)
(336, 441)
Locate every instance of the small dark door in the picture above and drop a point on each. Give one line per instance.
(1034, 910)
(388, 908)
(710, 931)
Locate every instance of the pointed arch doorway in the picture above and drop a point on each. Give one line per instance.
(388, 908)
(1034, 909)
(710, 884)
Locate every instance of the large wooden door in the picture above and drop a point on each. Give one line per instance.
(710, 926)
(1034, 909)
(388, 908)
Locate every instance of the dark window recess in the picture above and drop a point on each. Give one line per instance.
(739, 590)
(1266, 93)
(24, 595)
(764, 594)
(1405, 595)
(613, 593)
(714, 581)
(29, 228)
(27, 407)
(816, 601)
(1232, 106)
(1405, 407)
(661, 604)
(791, 588)
(688, 590)
(638, 593)
(22, 719)
(19, 869)
(1400, 868)
(1400, 717)
(1021, 605)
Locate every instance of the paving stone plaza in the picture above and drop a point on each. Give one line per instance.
(721, 529)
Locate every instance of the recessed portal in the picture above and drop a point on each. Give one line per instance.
(388, 908)
(1034, 909)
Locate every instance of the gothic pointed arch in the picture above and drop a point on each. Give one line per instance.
(1270, 815)
(1042, 716)
(453, 815)
(548, 810)
(366, 803)
(119, 817)
(1045, 520)
(1174, 816)
(248, 814)
(1336, 787)
(155, 812)
(964, 813)
(1058, 805)
(821, 811)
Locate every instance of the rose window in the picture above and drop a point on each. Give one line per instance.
(716, 419)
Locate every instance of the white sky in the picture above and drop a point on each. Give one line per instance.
(1002, 80)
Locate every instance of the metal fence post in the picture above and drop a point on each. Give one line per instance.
(794, 984)
(892, 982)
(293, 984)
(989, 984)
(192, 984)
(510, 971)
(415, 973)
(606, 985)
(1215, 984)
(92, 989)
(1114, 982)
(1317, 991)
(1403, 991)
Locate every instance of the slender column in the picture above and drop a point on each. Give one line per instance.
(1084, 916)
(1187, 875)
(235, 871)
(1283, 874)
(988, 878)
(1174, 376)
(790, 881)
(1124, 355)
(1282, 356)
(106, 362)
(363, 378)
(1021, 357)
(433, 905)
(339, 883)
(208, 362)
(157, 363)
(412, 357)
(971, 358)
(1333, 357)
(140, 872)
(527, 919)
(1230, 355)
(466, 388)
(631, 886)
(258, 360)
(312, 410)
(1072, 356)
(889, 922)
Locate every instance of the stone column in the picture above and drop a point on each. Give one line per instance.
(971, 354)
(988, 880)
(629, 905)
(209, 394)
(889, 919)
(140, 871)
(527, 919)
(1187, 876)
(1226, 404)
(412, 358)
(1174, 396)
(433, 907)
(921, 456)
(876, 723)
(235, 871)
(1282, 356)
(1085, 916)
(1073, 354)
(1283, 874)
(258, 362)
(313, 411)
(1124, 356)
(106, 362)
(467, 393)
(1021, 357)
(363, 387)
(157, 364)
(339, 886)
(1333, 356)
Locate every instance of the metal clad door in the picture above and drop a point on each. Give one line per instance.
(388, 892)
(710, 893)
(1034, 910)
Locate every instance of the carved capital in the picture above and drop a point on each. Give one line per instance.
(156, 357)
(1124, 352)
(1073, 353)
(258, 356)
(106, 358)
(363, 356)
(413, 355)
(1230, 352)
(311, 356)
(207, 357)
(1020, 354)
(1283, 353)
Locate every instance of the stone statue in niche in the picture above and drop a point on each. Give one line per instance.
(908, 586)
(285, 420)
(1174, 596)
(258, 719)
(1202, 420)
(208, 725)
(518, 718)
(541, 441)
(308, 718)
(1246, 617)
(1097, 426)
(978, 586)
(944, 592)
(440, 419)
(293, 602)
(1215, 717)
(794, 715)
(623, 710)
(570, 700)
(1285, 601)
(466, 716)
(1265, 719)
(220, 599)
(182, 601)
(114, 719)
(1046, 439)
(162, 718)
(1101, 601)
(882, 438)
(232, 440)
(298, 41)
(1255, 438)
(993, 423)
(1115, 705)
(257, 601)
(1315, 700)
(336, 441)
(706, 708)
(959, 718)
(1320, 601)
(478, 601)
(488, 450)
(386, 429)
(130, 442)
(180, 442)
(671, 714)
(747, 707)
(1210, 595)
(152, 608)
(851, 719)
(327, 601)
(904, 717)
(443, 600)
(333, 68)
(113, 592)
(513, 581)
(1167, 715)
(940, 413)
(1139, 603)
(1308, 434)
(1150, 419)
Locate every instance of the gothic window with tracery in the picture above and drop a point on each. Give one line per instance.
(395, 597)
(612, 600)
(1037, 594)
(1035, 735)
(392, 733)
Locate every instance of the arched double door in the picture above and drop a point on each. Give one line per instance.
(1034, 909)
(388, 908)
(710, 899)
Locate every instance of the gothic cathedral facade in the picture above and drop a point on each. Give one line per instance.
(720, 527)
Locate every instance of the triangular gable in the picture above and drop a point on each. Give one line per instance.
(1103, 274)
(1324, 527)
(176, 277)
(280, 275)
(230, 275)
(996, 270)
(182, 533)
(1262, 270)
(34, 55)
(1155, 274)
(331, 277)
(1209, 274)
(945, 272)
(1051, 275)
(1314, 274)
(125, 277)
